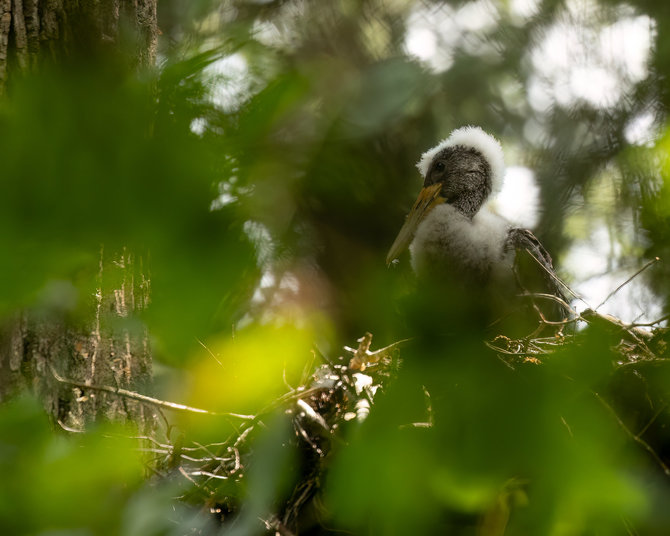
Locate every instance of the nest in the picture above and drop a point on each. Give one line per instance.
(343, 391)
(340, 393)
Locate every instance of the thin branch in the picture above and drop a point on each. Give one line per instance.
(146, 399)
(555, 277)
(502, 350)
(556, 299)
(649, 324)
(188, 477)
(69, 428)
(154, 441)
(364, 358)
(208, 475)
(651, 421)
(429, 405)
(652, 261)
(153, 450)
(646, 362)
(634, 437)
(613, 324)
(209, 352)
(205, 459)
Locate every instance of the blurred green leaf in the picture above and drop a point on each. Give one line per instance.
(52, 482)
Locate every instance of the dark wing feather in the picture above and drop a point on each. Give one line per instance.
(534, 268)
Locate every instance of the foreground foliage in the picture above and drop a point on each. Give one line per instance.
(564, 434)
(260, 173)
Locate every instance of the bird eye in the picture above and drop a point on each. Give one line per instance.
(439, 167)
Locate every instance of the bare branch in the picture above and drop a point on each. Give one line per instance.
(649, 324)
(652, 261)
(209, 352)
(146, 399)
(208, 475)
(555, 277)
(556, 299)
(633, 436)
(615, 325)
(651, 421)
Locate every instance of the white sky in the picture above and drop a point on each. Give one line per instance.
(518, 201)
(233, 80)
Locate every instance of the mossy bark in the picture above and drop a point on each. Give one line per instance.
(41, 350)
(32, 31)
(107, 345)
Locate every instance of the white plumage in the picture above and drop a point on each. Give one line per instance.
(454, 235)
(447, 238)
(476, 138)
(452, 225)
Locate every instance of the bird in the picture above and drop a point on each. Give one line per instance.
(456, 239)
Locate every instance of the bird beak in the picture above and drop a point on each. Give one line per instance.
(428, 198)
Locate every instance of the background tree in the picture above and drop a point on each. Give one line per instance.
(99, 346)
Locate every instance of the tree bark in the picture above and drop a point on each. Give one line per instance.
(40, 351)
(31, 30)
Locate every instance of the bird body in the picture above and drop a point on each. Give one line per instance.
(473, 247)
(457, 242)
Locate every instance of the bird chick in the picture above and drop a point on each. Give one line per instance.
(452, 232)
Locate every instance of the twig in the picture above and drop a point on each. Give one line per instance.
(630, 529)
(238, 463)
(555, 277)
(187, 476)
(649, 324)
(152, 440)
(153, 450)
(363, 357)
(558, 300)
(242, 437)
(308, 368)
(209, 352)
(646, 362)
(313, 415)
(429, 405)
(567, 426)
(634, 437)
(146, 399)
(651, 421)
(208, 475)
(286, 383)
(652, 261)
(277, 526)
(614, 325)
(206, 448)
(553, 341)
(69, 428)
(502, 350)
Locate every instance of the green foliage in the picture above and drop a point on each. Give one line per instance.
(264, 221)
(99, 159)
(57, 483)
(536, 431)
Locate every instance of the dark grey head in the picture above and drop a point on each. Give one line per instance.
(465, 176)
(462, 170)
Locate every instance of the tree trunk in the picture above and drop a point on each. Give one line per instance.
(31, 31)
(55, 357)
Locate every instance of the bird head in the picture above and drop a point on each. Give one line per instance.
(463, 171)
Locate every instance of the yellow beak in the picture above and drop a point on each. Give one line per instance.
(428, 198)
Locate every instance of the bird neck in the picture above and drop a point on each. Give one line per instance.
(469, 203)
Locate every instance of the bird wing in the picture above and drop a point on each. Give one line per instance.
(533, 266)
